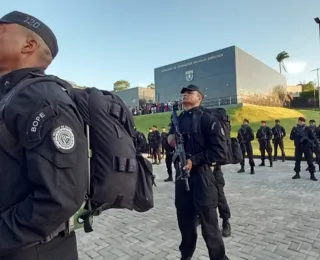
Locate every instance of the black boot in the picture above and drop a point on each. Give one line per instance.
(283, 158)
(297, 176)
(262, 164)
(312, 177)
(241, 170)
(275, 159)
(252, 170)
(226, 228)
(185, 258)
(169, 179)
(271, 163)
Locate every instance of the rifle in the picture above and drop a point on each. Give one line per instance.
(179, 151)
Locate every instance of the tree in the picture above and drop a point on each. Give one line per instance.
(121, 85)
(280, 92)
(151, 85)
(280, 58)
(307, 86)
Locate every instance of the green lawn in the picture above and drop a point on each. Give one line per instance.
(255, 114)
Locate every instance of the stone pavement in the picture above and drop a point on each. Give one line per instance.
(273, 217)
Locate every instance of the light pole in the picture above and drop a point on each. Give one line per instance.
(317, 20)
(318, 84)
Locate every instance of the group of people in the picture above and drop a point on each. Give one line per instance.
(306, 140)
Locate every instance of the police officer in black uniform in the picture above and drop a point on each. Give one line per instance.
(245, 137)
(303, 141)
(316, 146)
(149, 137)
(164, 136)
(140, 141)
(169, 150)
(279, 133)
(155, 143)
(43, 148)
(264, 136)
(202, 199)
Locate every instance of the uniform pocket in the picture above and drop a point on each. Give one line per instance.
(204, 188)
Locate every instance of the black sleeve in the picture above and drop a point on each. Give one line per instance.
(270, 133)
(258, 134)
(283, 131)
(310, 134)
(47, 125)
(292, 134)
(211, 129)
(251, 134)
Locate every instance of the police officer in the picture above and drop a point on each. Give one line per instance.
(245, 137)
(264, 136)
(279, 133)
(140, 141)
(202, 199)
(164, 136)
(149, 137)
(315, 146)
(169, 150)
(155, 143)
(303, 140)
(43, 148)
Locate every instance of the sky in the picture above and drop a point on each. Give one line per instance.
(102, 41)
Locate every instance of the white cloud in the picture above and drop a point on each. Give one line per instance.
(295, 67)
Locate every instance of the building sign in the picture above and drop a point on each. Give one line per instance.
(183, 65)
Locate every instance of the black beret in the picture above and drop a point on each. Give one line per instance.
(34, 25)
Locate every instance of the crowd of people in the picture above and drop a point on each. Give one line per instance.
(152, 108)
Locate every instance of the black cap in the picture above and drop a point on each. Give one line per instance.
(34, 25)
(191, 88)
(302, 119)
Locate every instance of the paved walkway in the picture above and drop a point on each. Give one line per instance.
(273, 217)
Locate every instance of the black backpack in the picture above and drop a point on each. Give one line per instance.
(231, 152)
(119, 178)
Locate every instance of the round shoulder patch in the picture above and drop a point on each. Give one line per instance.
(63, 138)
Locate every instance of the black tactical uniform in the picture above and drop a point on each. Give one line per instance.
(316, 143)
(155, 142)
(169, 154)
(303, 140)
(164, 136)
(264, 136)
(279, 133)
(140, 141)
(149, 137)
(43, 176)
(245, 137)
(202, 199)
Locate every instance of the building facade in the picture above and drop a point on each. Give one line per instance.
(225, 74)
(131, 96)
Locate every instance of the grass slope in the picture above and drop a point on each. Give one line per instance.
(254, 114)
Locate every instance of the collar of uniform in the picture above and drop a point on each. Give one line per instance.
(192, 110)
(8, 81)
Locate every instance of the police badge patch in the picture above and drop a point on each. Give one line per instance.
(63, 139)
(189, 75)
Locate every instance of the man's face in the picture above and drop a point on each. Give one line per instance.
(11, 43)
(311, 123)
(245, 123)
(154, 129)
(263, 123)
(300, 122)
(191, 97)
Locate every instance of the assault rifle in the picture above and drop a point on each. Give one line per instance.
(179, 151)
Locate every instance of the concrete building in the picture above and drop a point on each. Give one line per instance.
(295, 90)
(131, 96)
(225, 74)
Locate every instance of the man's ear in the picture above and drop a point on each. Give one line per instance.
(30, 46)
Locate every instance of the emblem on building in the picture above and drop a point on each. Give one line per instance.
(189, 75)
